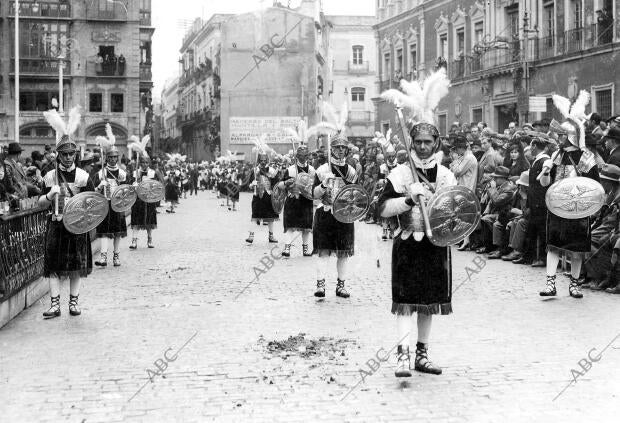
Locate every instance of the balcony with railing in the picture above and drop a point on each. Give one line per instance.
(358, 68)
(360, 116)
(104, 10)
(43, 9)
(146, 73)
(95, 69)
(40, 66)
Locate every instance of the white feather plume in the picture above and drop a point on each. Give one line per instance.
(399, 99)
(388, 135)
(344, 116)
(322, 128)
(110, 134)
(73, 123)
(302, 131)
(578, 109)
(293, 134)
(103, 142)
(54, 103)
(562, 104)
(330, 113)
(413, 91)
(435, 88)
(56, 122)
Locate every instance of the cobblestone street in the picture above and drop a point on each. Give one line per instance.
(183, 332)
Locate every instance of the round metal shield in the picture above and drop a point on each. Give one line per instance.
(575, 198)
(453, 214)
(351, 203)
(123, 198)
(304, 183)
(84, 212)
(278, 197)
(150, 191)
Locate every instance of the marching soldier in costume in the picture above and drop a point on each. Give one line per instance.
(143, 215)
(109, 177)
(421, 270)
(572, 235)
(329, 235)
(298, 209)
(265, 177)
(66, 254)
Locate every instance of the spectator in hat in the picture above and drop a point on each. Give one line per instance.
(516, 229)
(501, 192)
(602, 268)
(15, 176)
(612, 142)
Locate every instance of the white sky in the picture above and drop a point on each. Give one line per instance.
(167, 15)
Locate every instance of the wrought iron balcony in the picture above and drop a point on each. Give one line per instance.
(41, 66)
(145, 72)
(44, 9)
(360, 116)
(104, 10)
(358, 68)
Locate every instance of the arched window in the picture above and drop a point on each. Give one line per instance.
(358, 55)
(357, 94)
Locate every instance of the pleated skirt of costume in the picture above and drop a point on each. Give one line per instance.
(568, 235)
(297, 214)
(113, 225)
(262, 209)
(66, 253)
(171, 193)
(421, 277)
(143, 215)
(332, 236)
(232, 191)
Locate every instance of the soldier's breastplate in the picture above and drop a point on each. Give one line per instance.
(564, 171)
(66, 188)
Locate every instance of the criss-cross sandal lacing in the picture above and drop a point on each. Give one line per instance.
(549, 290)
(306, 252)
(573, 288)
(340, 290)
(320, 288)
(403, 365)
(422, 363)
(54, 310)
(74, 310)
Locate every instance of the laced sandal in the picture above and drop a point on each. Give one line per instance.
(403, 365)
(272, 239)
(340, 290)
(320, 288)
(103, 261)
(287, 250)
(573, 288)
(549, 290)
(306, 253)
(54, 310)
(250, 238)
(74, 310)
(134, 244)
(116, 260)
(422, 363)
(384, 237)
(149, 243)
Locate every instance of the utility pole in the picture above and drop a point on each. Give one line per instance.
(525, 60)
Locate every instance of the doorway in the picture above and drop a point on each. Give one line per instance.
(506, 113)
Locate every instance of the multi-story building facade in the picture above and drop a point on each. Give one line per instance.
(104, 50)
(198, 117)
(169, 134)
(499, 53)
(353, 58)
(275, 71)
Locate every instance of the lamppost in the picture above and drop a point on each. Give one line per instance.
(526, 67)
(35, 9)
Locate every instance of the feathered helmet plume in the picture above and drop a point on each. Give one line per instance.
(107, 143)
(64, 130)
(299, 136)
(139, 147)
(421, 100)
(262, 149)
(575, 116)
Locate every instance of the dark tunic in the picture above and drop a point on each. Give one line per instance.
(171, 189)
(261, 206)
(297, 214)
(144, 215)
(115, 224)
(421, 271)
(569, 235)
(66, 253)
(328, 234)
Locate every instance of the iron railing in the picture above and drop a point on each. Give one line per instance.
(44, 9)
(42, 66)
(22, 249)
(360, 116)
(359, 68)
(145, 72)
